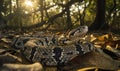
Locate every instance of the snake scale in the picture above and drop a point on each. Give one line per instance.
(52, 50)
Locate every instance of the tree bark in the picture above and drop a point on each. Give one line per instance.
(3, 22)
(1, 8)
(99, 22)
(42, 11)
(69, 22)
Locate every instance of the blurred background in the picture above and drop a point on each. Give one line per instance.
(60, 14)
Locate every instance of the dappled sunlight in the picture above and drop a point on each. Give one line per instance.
(13, 3)
(30, 6)
(28, 3)
(26, 12)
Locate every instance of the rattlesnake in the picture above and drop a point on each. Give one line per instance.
(48, 40)
(50, 51)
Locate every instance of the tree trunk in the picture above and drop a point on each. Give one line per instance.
(42, 12)
(3, 22)
(1, 8)
(69, 22)
(99, 22)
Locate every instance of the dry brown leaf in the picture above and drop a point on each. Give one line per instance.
(22, 67)
(114, 44)
(105, 37)
(87, 68)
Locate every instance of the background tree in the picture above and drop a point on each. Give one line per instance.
(3, 21)
(60, 14)
(99, 22)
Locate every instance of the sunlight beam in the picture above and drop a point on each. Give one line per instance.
(28, 3)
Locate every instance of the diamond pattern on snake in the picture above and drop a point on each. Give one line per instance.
(54, 50)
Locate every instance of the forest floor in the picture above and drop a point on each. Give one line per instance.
(105, 57)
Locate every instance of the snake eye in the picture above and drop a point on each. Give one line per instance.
(83, 27)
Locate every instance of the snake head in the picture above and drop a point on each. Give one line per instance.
(77, 32)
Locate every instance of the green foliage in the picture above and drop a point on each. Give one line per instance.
(113, 13)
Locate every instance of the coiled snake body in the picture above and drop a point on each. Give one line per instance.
(50, 51)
